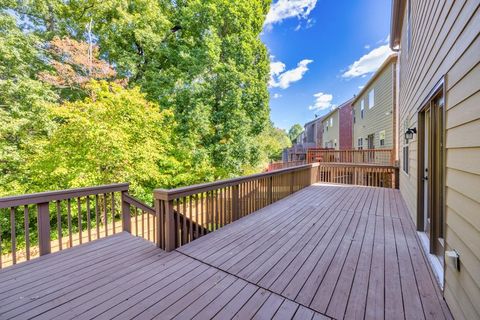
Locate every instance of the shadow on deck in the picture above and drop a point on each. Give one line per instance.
(325, 251)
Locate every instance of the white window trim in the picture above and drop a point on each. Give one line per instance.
(371, 99)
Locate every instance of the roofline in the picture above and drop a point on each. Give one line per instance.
(398, 10)
(346, 103)
(391, 58)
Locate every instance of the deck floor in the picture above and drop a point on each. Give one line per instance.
(327, 251)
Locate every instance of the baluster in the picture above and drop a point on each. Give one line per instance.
(69, 221)
(59, 226)
(143, 224)
(105, 216)
(190, 216)
(136, 221)
(79, 214)
(184, 221)
(196, 217)
(177, 224)
(89, 226)
(97, 218)
(1, 242)
(13, 236)
(113, 212)
(26, 218)
(148, 224)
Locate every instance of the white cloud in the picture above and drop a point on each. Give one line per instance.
(279, 78)
(361, 87)
(367, 46)
(323, 101)
(368, 63)
(284, 9)
(276, 96)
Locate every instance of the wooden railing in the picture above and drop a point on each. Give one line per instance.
(282, 165)
(370, 156)
(46, 222)
(359, 174)
(52, 221)
(185, 214)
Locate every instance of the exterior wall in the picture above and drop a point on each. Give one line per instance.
(331, 134)
(381, 116)
(445, 41)
(346, 130)
(314, 132)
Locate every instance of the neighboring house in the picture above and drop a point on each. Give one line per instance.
(374, 120)
(439, 106)
(311, 137)
(337, 127)
(314, 132)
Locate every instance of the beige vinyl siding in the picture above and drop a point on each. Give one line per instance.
(380, 117)
(445, 41)
(333, 133)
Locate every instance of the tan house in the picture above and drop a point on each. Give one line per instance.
(374, 110)
(439, 121)
(331, 130)
(337, 127)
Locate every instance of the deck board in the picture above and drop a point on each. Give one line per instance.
(326, 251)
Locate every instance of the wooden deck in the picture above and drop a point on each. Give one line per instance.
(326, 251)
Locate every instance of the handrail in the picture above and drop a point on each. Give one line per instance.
(48, 196)
(170, 194)
(370, 156)
(209, 206)
(139, 204)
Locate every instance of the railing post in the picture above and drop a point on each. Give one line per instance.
(169, 226)
(157, 204)
(126, 221)
(292, 179)
(270, 190)
(43, 225)
(235, 202)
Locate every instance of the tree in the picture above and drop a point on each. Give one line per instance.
(113, 135)
(23, 101)
(74, 63)
(294, 132)
(203, 60)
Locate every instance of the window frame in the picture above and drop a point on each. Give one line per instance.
(371, 98)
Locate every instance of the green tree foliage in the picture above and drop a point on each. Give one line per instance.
(295, 131)
(114, 135)
(23, 101)
(202, 59)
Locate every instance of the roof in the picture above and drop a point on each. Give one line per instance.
(398, 9)
(346, 103)
(391, 58)
(314, 120)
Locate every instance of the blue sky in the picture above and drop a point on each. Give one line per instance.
(322, 52)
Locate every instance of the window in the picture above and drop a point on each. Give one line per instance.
(382, 138)
(331, 122)
(362, 108)
(371, 99)
(353, 115)
(409, 27)
(360, 143)
(405, 159)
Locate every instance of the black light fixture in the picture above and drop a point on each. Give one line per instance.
(409, 133)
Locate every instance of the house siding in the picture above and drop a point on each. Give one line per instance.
(346, 130)
(445, 42)
(381, 116)
(331, 135)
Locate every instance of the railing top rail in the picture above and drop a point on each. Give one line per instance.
(350, 164)
(171, 194)
(48, 196)
(349, 150)
(139, 204)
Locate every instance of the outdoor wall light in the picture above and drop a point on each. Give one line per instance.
(409, 133)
